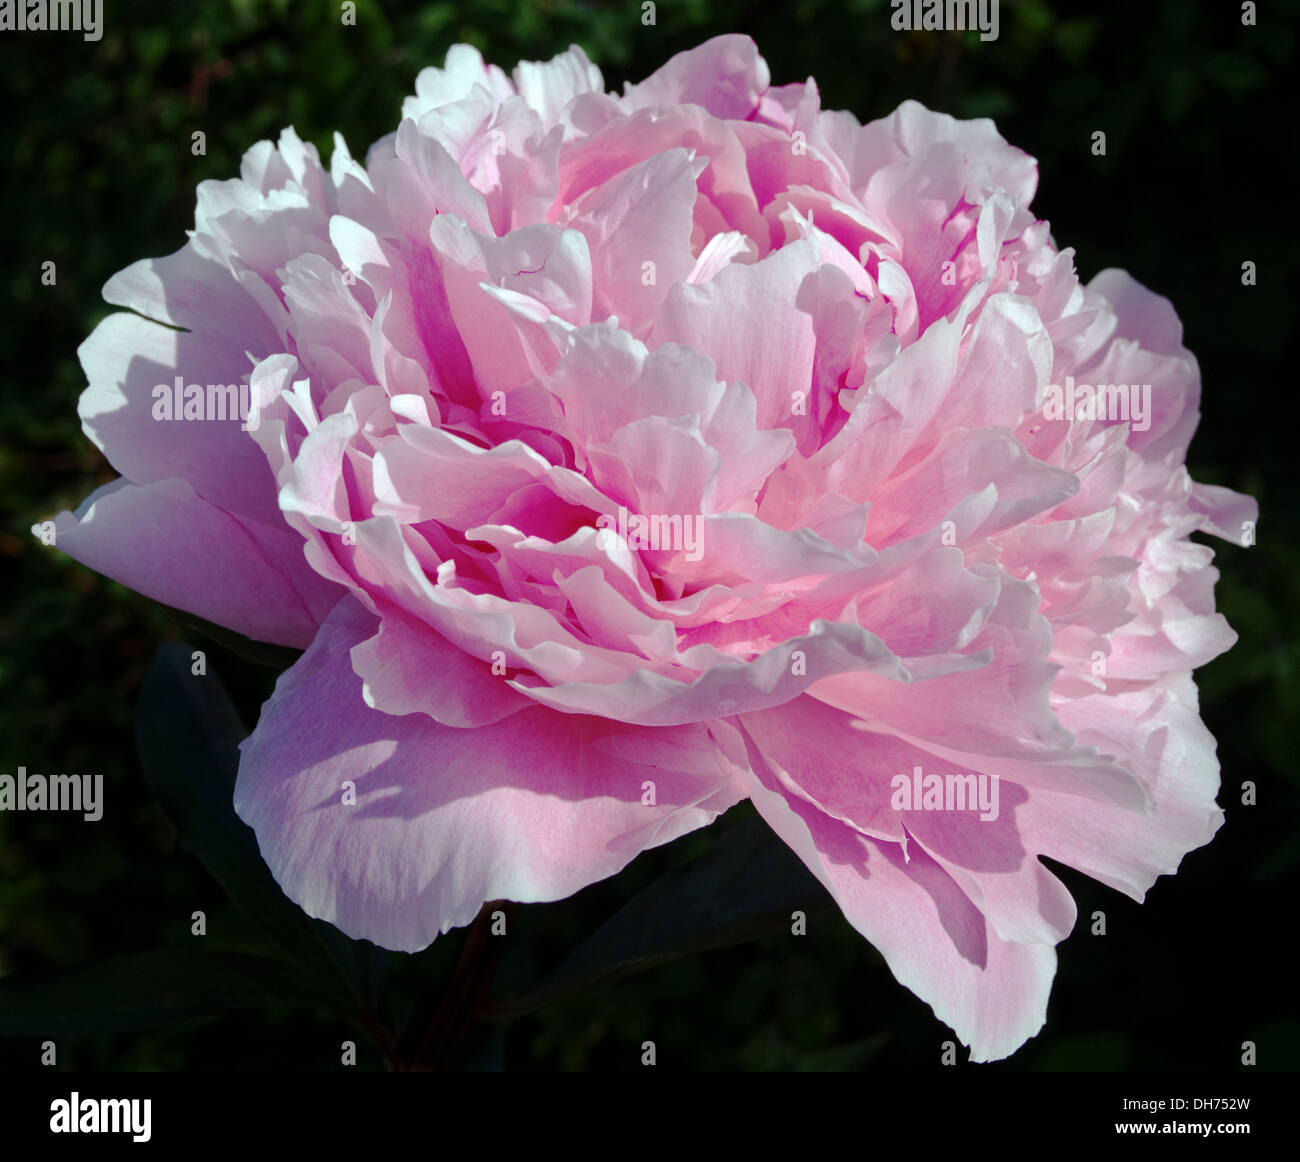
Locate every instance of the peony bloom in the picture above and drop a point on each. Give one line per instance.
(618, 458)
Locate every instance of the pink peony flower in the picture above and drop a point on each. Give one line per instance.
(619, 458)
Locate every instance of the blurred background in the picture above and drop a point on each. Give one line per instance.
(1199, 116)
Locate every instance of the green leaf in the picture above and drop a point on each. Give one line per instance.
(188, 733)
(744, 887)
(145, 989)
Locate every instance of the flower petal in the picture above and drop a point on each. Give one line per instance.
(531, 808)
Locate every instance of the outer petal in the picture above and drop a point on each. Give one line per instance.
(1158, 732)
(992, 992)
(820, 756)
(725, 75)
(165, 541)
(531, 808)
(463, 69)
(124, 359)
(551, 86)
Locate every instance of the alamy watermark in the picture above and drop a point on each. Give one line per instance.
(214, 401)
(24, 792)
(669, 532)
(922, 792)
(103, 1115)
(946, 16)
(84, 16)
(1102, 401)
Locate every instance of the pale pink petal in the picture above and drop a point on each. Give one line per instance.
(172, 545)
(531, 808)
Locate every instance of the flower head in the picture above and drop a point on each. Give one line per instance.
(619, 458)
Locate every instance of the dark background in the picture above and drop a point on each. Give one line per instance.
(1199, 176)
